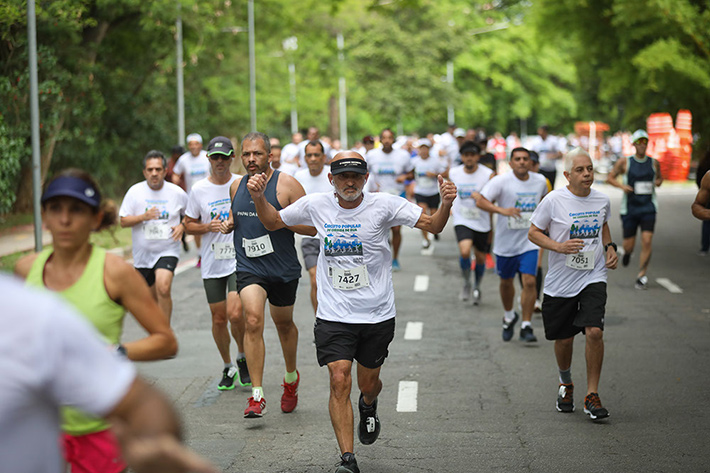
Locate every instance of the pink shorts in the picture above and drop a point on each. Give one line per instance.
(98, 452)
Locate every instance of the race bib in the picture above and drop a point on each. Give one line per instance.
(643, 187)
(427, 182)
(223, 250)
(521, 223)
(349, 279)
(584, 260)
(156, 231)
(470, 213)
(258, 246)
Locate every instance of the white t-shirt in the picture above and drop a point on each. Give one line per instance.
(426, 185)
(354, 240)
(511, 235)
(313, 184)
(152, 239)
(545, 149)
(384, 169)
(192, 168)
(567, 216)
(288, 152)
(49, 356)
(287, 168)
(465, 211)
(206, 202)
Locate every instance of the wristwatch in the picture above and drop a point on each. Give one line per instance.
(612, 244)
(121, 350)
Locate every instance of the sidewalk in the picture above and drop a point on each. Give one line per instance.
(21, 238)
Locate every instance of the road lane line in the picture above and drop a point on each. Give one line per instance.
(668, 284)
(421, 283)
(185, 265)
(413, 331)
(407, 397)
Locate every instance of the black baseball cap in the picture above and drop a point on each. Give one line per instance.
(220, 145)
(348, 165)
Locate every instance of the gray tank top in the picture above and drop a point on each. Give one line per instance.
(249, 236)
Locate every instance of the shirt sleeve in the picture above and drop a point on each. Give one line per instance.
(491, 189)
(542, 216)
(193, 206)
(402, 211)
(127, 204)
(179, 167)
(297, 213)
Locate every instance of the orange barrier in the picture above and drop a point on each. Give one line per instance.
(672, 146)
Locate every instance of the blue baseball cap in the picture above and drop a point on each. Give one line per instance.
(70, 186)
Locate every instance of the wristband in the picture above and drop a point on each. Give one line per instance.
(612, 244)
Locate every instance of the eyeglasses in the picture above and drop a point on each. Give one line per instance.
(216, 157)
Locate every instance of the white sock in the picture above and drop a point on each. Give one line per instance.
(228, 365)
(509, 315)
(257, 393)
(525, 324)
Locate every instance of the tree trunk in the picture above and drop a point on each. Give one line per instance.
(333, 124)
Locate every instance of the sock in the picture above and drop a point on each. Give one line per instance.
(525, 324)
(480, 269)
(257, 393)
(538, 282)
(509, 315)
(465, 264)
(566, 376)
(241, 356)
(291, 377)
(228, 365)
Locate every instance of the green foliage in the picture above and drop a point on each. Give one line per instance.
(13, 151)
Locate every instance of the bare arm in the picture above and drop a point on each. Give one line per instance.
(572, 246)
(24, 264)
(699, 205)
(133, 220)
(436, 223)
(619, 168)
(659, 177)
(484, 204)
(194, 227)
(268, 215)
(126, 286)
(149, 432)
(293, 190)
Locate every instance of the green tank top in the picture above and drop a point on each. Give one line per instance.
(88, 295)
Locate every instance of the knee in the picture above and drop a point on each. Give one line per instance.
(219, 321)
(594, 334)
(254, 321)
(162, 289)
(340, 383)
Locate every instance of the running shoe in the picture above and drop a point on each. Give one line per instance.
(395, 266)
(476, 296)
(625, 259)
(348, 464)
(465, 293)
(369, 428)
(255, 409)
(508, 327)
(593, 407)
(538, 305)
(565, 398)
(243, 372)
(641, 283)
(436, 236)
(527, 335)
(289, 398)
(426, 244)
(199, 262)
(227, 382)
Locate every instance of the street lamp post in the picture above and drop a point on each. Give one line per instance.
(450, 114)
(291, 44)
(252, 67)
(342, 105)
(180, 82)
(34, 122)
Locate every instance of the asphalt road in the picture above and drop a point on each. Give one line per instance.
(481, 404)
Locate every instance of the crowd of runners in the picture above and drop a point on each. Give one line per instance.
(509, 201)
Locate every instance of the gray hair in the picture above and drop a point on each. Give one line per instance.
(153, 154)
(257, 135)
(575, 153)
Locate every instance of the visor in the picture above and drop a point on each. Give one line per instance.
(348, 165)
(69, 186)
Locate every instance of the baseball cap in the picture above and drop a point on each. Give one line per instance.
(348, 165)
(459, 133)
(638, 134)
(470, 147)
(368, 139)
(534, 157)
(220, 145)
(70, 186)
(423, 142)
(194, 137)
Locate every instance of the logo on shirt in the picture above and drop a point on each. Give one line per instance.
(585, 225)
(526, 201)
(161, 205)
(342, 240)
(466, 191)
(219, 209)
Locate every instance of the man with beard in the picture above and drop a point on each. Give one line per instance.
(355, 318)
(267, 269)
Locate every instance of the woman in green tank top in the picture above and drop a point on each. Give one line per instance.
(102, 287)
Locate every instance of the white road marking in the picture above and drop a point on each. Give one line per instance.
(428, 251)
(407, 397)
(184, 266)
(421, 283)
(668, 284)
(413, 331)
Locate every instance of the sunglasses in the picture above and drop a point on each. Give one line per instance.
(216, 157)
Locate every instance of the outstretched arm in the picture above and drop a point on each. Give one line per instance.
(436, 223)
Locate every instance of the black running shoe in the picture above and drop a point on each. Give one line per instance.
(527, 335)
(565, 398)
(509, 328)
(243, 372)
(227, 382)
(625, 259)
(593, 407)
(348, 464)
(369, 427)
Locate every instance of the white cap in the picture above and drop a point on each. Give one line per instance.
(423, 142)
(459, 133)
(638, 134)
(194, 137)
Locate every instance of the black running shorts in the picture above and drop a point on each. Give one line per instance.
(279, 293)
(166, 262)
(480, 239)
(565, 317)
(366, 343)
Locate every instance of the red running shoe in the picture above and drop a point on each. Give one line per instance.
(289, 399)
(255, 409)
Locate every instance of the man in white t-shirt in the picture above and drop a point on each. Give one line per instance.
(356, 311)
(50, 358)
(192, 167)
(277, 161)
(471, 224)
(313, 179)
(516, 195)
(154, 209)
(312, 135)
(426, 187)
(207, 207)
(549, 149)
(581, 251)
(289, 153)
(390, 168)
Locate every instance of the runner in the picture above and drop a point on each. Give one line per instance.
(102, 287)
(207, 206)
(471, 224)
(426, 190)
(641, 175)
(550, 150)
(356, 311)
(516, 194)
(153, 209)
(581, 251)
(701, 205)
(390, 169)
(313, 179)
(267, 269)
